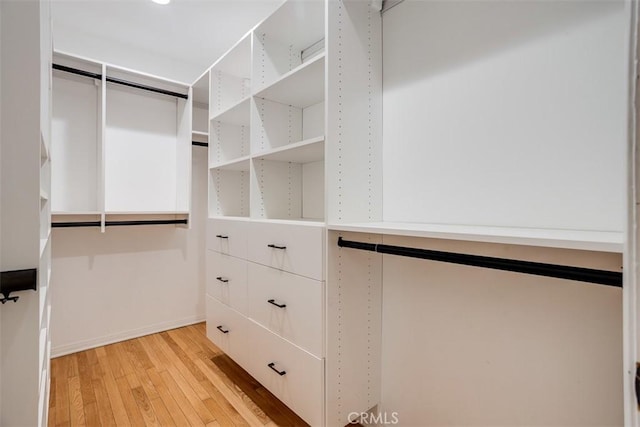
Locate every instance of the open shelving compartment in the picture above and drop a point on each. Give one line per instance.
(289, 183)
(147, 148)
(230, 78)
(229, 134)
(122, 144)
(292, 36)
(200, 102)
(288, 114)
(229, 189)
(77, 127)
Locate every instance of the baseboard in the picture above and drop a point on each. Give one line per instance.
(75, 347)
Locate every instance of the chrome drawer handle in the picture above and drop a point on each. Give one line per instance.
(222, 236)
(219, 327)
(272, 366)
(277, 247)
(273, 302)
(222, 279)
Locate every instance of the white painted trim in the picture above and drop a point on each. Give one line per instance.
(75, 347)
(630, 284)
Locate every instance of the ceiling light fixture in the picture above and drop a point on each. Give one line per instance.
(161, 1)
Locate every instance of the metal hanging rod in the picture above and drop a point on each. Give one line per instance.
(117, 223)
(199, 144)
(118, 81)
(66, 69)
(601, 277)
(145, 87)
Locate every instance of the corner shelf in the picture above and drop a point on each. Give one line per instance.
(301, 87)
(600, 241)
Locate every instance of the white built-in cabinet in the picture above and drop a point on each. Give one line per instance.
(266, 232)
(120, 152)
(496, 140)
(25, 209)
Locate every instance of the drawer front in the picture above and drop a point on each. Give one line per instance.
(298, 249)
(221, 318)
(227, 236)
(288, 305)
(227, 280)
(301, 385)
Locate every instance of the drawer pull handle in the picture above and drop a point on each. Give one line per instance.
(273, 302)
(222, 236)
(219, 327)
(277, 247)
(272, 366)
(222, 279)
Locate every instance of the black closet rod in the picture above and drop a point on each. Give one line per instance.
(145, 87)
(117, 223)
(199, 144)
(118, 81)
(66, 69)
(601, 277)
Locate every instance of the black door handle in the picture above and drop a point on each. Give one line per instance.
(272, 366)
(273, 302)
(223, 280)
(277, 247)
(219, 327)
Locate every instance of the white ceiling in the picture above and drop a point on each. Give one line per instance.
(179, 40)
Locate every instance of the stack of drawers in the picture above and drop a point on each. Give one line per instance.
(265, 305)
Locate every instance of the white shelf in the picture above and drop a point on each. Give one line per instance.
(44, 150)
(237, 114)
(601, 241)
(75, 213)
(297, 221)
(231, 217)
(42, 294)
(43, 242)
(307, 151)
(147, 213)
(240, 164)
(42, 350)
(301, 87)
(201, 134)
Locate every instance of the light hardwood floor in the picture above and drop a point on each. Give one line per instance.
(173, 378)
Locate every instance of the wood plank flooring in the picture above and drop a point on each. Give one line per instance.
(173, 378)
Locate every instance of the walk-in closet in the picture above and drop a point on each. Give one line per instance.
(318, 212)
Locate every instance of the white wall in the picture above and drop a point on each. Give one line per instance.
(506, 113)
(129, 281)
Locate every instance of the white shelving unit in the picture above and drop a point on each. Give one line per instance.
(121, 149)
(27, 154)
(266, 202)
(320, 153)
(598, 241)
(301, 87)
